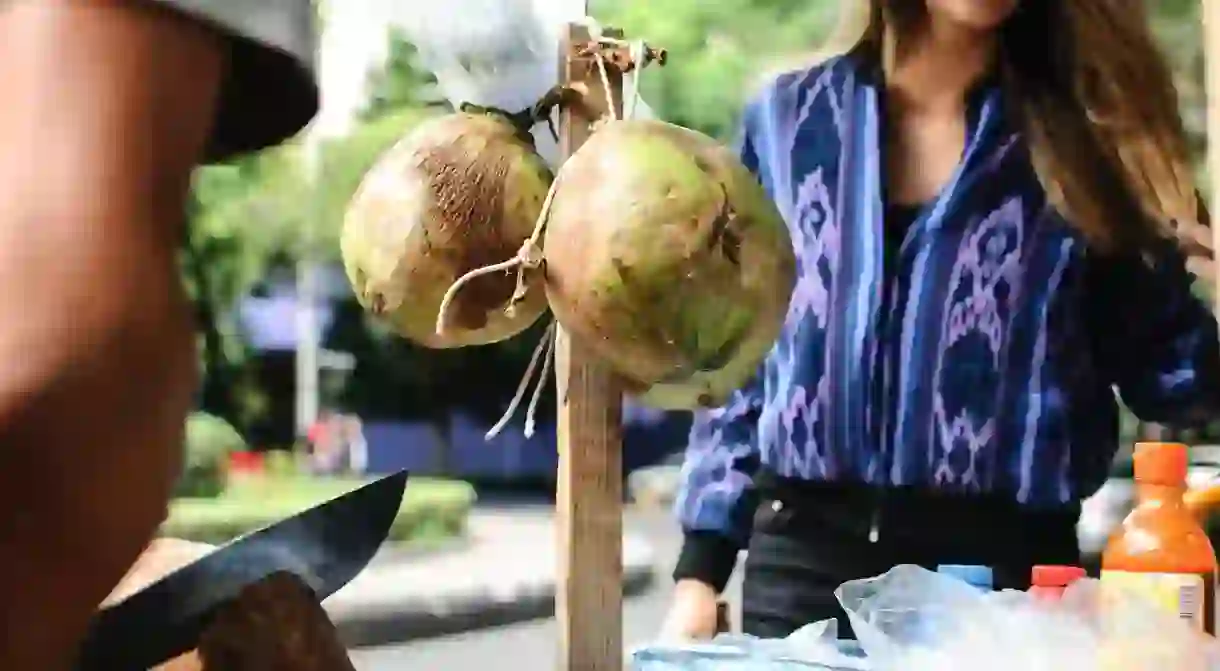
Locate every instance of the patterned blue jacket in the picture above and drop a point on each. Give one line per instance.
(987, 363)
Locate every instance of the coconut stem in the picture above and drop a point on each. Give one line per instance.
(525, 120)
(542, 351)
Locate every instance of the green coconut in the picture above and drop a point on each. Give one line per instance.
(460, 192)
(666, 258)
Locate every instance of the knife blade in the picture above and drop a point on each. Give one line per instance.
(325, 546)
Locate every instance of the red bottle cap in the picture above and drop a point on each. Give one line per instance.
(1056, 576)
(1161, 463)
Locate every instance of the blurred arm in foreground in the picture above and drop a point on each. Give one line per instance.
(110, 104)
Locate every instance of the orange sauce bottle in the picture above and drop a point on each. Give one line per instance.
(1161, 551)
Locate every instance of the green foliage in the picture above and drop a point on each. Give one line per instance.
(401, 83)
(283, 463)
(1179, 29)
(209, 441)
(430, 509)
(242, 216)
(719, 51)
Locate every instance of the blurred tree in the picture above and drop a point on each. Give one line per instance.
(401, 83)
(721, 51)
(240, 213)
(208, 442)
(1178, 26)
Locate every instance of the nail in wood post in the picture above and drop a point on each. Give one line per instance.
(589, 598)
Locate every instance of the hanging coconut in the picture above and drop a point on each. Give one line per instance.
(666, 258)
(460, 192)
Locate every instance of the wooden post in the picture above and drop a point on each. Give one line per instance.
(1211, 53)
(589, 596)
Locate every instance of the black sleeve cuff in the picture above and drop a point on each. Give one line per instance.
(708, 557)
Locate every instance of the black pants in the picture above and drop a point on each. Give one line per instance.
(810, 537)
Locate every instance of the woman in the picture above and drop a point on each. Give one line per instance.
(984, 196)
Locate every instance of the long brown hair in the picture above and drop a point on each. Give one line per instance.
(1095, 102)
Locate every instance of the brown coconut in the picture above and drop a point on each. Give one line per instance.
(666, 258)
(460, 192)
(276, 623)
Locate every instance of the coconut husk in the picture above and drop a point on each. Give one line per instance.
(460, 192)
(276, 624)
(665, 257)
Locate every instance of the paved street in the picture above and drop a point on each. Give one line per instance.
(531, 645)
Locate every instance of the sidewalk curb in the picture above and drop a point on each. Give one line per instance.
(409, 551)
(412, 621)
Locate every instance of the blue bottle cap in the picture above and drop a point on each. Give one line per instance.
(971, 574)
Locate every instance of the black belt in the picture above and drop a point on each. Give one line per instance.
(896, 511)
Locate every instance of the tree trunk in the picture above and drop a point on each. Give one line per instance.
(216, 391)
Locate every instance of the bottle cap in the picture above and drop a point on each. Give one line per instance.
(1056, 576)
(971, 574)
(1161, 463)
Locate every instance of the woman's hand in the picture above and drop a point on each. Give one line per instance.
(693, 614)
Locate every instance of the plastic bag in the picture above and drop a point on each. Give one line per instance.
(502, 53)
(816, 647)
(496, 53)
(915, 620)
(911, 619)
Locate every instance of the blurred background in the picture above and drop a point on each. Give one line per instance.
(263, 246)
(303, 395)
